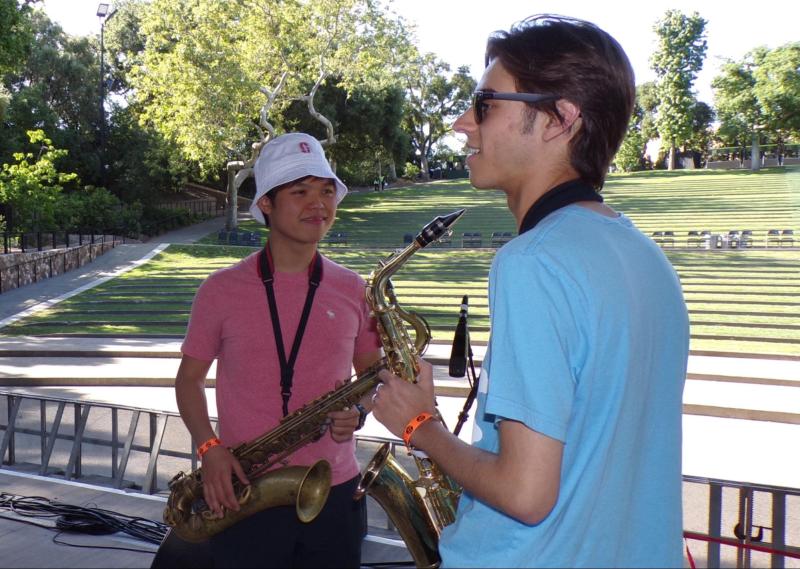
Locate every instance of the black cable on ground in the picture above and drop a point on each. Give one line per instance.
(78, 519)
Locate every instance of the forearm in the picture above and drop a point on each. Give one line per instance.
(475, 470)
(522, 480)
(191, 398)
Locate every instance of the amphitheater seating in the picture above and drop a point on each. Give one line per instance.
(500, 238)
(471, 239)
(336, 238)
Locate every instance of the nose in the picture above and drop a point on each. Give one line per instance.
(465, 123)
(316, 200)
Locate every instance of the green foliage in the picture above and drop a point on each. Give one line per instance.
(434, 99)
(411, 170)
(156, 220)
(208, 64)
(630, 156)
(737, 107)
(368, 129)
(777, 89)
(15, 34)
(55, 89)
(89, 209)
(760, 93)
(142, 165)
(676, 61)
(33, 185)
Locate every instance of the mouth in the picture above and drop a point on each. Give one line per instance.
(316, 219)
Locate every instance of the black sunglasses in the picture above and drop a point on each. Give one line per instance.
(478, 98)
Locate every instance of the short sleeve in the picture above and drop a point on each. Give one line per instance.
(534, 339)
(204, 332)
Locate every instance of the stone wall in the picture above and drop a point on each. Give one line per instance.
(20, 269)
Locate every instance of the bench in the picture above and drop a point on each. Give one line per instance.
(246, 238)
(445, 240)
(471, 239)
(500, 238)
(698, 239)
(336, 238)
(774, 237)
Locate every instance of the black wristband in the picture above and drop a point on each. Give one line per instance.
(362, 415)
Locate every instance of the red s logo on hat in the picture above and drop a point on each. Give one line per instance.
(305, 148)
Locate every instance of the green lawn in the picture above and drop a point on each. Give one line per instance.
(739, 300)
(682, 201)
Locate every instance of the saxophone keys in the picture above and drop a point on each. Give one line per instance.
(246, 494)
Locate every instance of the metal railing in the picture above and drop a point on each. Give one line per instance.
(140, 449)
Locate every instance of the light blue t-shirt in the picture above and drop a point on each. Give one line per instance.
(589, 345)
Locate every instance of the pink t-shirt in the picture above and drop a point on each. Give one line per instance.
(230, 321)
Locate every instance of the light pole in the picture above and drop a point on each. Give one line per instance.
(102, 13)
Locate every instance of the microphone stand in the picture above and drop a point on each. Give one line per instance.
(473, 390)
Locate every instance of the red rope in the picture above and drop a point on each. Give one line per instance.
(740, 544)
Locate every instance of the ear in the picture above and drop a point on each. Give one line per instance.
(265, 205)
(571, 115)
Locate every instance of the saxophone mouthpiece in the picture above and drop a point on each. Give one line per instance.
(438, 227)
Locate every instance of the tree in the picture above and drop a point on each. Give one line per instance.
(758, 98)
(367, 122)
(16, 36)
(213, 71)
(777, 89)
(676, 62)
(32, 185)
(433, 100)
(702, 120)
(55, 90)
(642, 129)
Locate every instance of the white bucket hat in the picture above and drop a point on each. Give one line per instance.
(290, 157)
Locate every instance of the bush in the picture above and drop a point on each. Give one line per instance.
(411, 170)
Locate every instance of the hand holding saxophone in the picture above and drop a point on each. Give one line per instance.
(397, 402)
(219, 468)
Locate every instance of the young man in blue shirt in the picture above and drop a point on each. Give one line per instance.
(576, 452)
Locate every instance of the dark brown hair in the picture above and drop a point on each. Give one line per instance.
(581, 63)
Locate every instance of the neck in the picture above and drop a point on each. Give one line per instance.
(520, 202)
(290, 257)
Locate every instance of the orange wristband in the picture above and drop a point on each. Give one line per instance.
(203, 448)
(413, 425)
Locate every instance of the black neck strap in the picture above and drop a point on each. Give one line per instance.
(265, 267)
(556, 198)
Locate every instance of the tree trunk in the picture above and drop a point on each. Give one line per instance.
(672, 158)
(232, 205)
(392, 171)
(423, 160)
(755, 154)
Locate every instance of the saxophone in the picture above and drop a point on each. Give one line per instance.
(419, 509)
(305, 487)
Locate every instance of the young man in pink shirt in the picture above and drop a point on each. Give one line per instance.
(279, 346)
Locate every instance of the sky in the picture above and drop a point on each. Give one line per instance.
(456, 30)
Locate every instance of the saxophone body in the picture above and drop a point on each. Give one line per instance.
(421, 508)
(304, 487)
